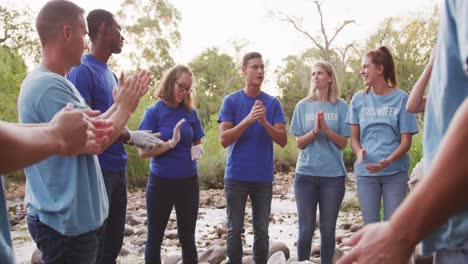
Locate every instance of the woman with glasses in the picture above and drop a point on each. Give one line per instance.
(173, 177)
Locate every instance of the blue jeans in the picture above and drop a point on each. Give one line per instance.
(236, 197)
(371, 190)
(328, 193)
(112, 235)
(457, 255)
(161, 195)
(59, 249)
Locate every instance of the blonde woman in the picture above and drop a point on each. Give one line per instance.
(321, 133)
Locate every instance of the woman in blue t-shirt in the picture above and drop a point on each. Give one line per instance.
(381, 133)
(321, 133)
(173, 179)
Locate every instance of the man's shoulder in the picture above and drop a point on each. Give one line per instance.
(82, 71)
(235, 94)
(40, 80)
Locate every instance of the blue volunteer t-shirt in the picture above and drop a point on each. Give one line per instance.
(175, 163)
(6, 247)
(381, 119)
(321, 157)
(250, 158)
(448, 89)
(65, 193)
(95, 82)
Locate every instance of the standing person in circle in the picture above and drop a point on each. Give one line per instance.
(250, 122)
(381, 134)
(95, 81)
(321, 133)
(173, 179)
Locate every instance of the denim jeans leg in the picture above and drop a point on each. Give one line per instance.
(186, 207)
(260, 197)
(395, 188)
(307, 196)
(159, 202)
(458, 254)
(112, 235)
(370, 194)
(58, 249)
(82, 249)
(332, 190)
(236, 197)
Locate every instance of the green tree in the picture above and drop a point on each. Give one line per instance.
(411, 40)
(150, 28)
(17, 32)
(293, 80)
(12, 72)
(216, 75)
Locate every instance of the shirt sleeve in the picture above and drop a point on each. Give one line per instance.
(226, 113)
(82, 78)
(55, 98)
(149, 120)
(279, 114)
(407, 120)
(296, 127)
(460, 15)
(197, 128)
(352, 117)
(345, 129)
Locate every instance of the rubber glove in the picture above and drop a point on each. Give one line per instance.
(197, 151)
(176, 134)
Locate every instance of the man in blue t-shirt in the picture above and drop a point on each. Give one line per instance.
(65, 198)
(95, 82)
(250, 120)
(440, 200)
(70, 132)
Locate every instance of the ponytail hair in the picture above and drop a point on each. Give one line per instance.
(383, 57)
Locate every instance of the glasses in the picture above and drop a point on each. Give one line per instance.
(181, 88)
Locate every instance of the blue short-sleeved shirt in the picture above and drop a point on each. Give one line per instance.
(448, 88)
(250, 158)
(381, 119)
(66, 193)
(95, 82)
(321, 157)
(6, 247)
(175, 163)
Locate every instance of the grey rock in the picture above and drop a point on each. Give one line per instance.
(128, 231)
(213, 255)
(172, 259)
(36, 257)
(276, 246)
(277, 258)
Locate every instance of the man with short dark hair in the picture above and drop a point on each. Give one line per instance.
(250, 121)
(95, 81)
(66, 199)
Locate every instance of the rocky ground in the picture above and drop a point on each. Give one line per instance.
(211, 226)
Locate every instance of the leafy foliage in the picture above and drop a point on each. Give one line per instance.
(12, 72)
(411, 40)
(17, 32)
(150, 29)
(216, 75)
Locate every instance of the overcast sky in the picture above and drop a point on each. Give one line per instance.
(216, 23)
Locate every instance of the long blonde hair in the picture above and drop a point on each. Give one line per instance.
(333, 87)
(166, 88)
